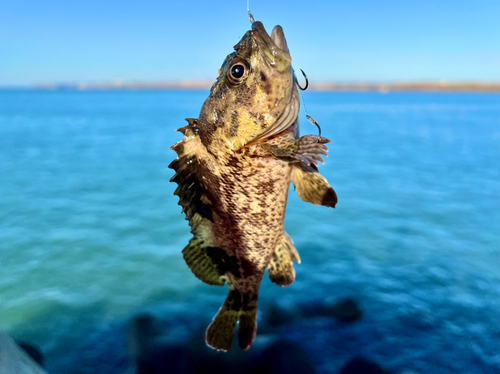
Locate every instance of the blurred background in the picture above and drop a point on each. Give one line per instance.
(401, 277)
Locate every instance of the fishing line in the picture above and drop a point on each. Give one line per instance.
(309, 118)
(250, 17)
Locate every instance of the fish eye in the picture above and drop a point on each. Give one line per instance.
(237, 72)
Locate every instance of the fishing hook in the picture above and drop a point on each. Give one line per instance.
(307, 81)
(309, 118)
(313, 121)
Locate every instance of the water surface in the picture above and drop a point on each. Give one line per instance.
(91, 233)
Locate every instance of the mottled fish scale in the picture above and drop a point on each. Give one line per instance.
(233, 170)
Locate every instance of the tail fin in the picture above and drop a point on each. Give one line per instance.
(237, 307)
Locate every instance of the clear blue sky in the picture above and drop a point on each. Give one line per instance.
(44, 41)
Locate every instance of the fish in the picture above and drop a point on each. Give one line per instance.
(233, 169)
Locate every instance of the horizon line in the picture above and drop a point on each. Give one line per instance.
(380, 86)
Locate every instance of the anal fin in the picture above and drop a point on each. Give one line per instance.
(280, 267)
(312, 187)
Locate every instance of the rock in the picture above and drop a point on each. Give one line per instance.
(14, 360)
(284, 356)
(153, 352)
(150, 352)
(33, 351)
(165, 359)
(314, 308)
(207, 360)
(361, 365)
(276, 316)
(142, 332)
(346, 310)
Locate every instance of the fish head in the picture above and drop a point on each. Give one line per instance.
(255, 95)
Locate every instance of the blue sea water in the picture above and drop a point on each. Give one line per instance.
(91, 233)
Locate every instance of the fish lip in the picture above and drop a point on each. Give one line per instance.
(260, 34)
(276, 41)
(278, 37)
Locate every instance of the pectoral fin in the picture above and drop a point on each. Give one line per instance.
(312, 187)
(280, 267)
(306, 149)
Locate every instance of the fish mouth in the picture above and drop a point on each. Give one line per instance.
(277, 39)
(275, 46)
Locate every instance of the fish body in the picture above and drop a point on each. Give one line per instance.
(233, 171)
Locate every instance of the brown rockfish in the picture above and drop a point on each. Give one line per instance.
(233, 171)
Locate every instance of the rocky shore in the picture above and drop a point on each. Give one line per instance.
(19, 358)
(151, 350)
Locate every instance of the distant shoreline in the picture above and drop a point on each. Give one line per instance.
(410, 86)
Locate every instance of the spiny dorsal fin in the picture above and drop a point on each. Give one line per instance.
(190, 129)
(280, 267)
(311, 186)
(195, 200)
(192, 192)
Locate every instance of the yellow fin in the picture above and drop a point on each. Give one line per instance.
(237, 307)
(247, 329)
(220, 332)
(311, 186)
(280, 267)
(196, 257)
